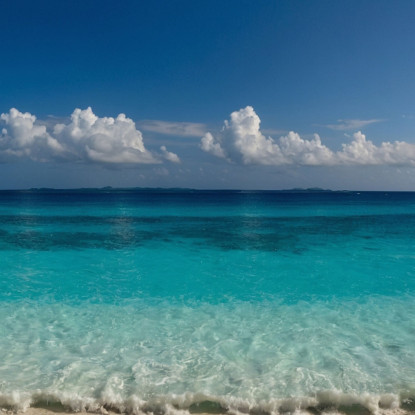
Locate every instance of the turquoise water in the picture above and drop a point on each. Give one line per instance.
(161, 301)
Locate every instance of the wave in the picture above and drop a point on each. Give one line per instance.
(322, 402)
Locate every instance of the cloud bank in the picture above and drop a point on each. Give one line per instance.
(242, 141)
(85, 138)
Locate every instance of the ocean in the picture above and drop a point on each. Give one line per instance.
(177, 301)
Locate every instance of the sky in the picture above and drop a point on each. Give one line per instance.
(270, 94)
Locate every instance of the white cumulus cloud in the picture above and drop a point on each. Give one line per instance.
(85, 138)
(107, 139)
(241, 140)
(212, 145)
(168, 155)
(22, 137)
(363, 151)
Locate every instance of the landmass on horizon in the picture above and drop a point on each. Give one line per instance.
(178, 189)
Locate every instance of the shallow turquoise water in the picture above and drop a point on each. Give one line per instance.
(158, 301)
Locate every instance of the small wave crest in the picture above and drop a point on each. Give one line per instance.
(322, 402)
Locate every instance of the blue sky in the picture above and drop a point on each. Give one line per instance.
(341, 69)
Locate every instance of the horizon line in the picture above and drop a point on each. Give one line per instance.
(132, 188)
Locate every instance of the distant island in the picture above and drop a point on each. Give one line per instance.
(169, 190)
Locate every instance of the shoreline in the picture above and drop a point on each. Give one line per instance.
(354, 410)
(322, 403)
(405, 407)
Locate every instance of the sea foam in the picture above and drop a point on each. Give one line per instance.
(247, 357)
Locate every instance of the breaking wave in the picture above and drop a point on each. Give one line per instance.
(321, 402)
